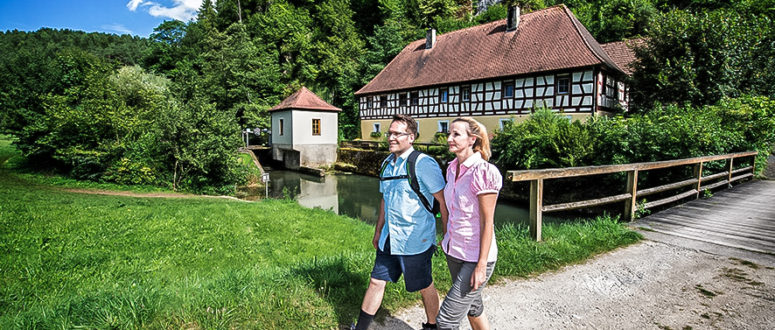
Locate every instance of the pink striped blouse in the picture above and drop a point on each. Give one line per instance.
(476, 177)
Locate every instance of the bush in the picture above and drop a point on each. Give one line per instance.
(547, 140)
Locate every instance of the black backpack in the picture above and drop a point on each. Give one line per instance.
(411, 175)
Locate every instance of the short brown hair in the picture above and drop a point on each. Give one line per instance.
(411, 124)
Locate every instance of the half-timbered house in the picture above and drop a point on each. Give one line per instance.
(497, 72)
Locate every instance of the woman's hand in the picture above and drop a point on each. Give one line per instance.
(479, 276)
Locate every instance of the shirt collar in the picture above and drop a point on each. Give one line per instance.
(404, 155)
(473, 159)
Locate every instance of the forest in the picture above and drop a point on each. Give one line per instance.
(167, 110)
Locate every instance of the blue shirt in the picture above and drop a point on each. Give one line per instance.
(411, 227)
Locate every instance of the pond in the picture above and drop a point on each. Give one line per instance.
(356, 196)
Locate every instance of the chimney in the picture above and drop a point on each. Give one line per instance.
(512, 22)
(430, 38)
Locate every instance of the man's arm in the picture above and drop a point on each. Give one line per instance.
(380, 223)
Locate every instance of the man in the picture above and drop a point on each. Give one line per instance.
(405, 235)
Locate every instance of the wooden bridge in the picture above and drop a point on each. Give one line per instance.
(741, 218)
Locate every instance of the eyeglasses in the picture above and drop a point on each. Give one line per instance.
(396, 134)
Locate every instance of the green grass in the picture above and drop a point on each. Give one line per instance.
(75, 260)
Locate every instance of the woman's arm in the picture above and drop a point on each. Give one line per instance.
(486, 232)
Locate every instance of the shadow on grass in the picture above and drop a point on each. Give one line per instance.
(339, 281)
(342, 281)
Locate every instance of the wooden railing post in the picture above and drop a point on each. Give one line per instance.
(536, 208)
(630, 205)
(753, 166)
(731, 166)
(698, 175)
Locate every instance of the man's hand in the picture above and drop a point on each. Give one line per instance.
(375, 240)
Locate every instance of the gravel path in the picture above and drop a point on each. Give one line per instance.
(649, 285)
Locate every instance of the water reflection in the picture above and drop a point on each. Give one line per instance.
(357, 196)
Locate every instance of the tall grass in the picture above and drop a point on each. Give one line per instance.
(75, 260)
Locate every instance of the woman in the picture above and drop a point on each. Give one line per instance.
(469, 239)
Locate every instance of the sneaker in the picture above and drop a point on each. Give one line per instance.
(428, 326)
(352, 326)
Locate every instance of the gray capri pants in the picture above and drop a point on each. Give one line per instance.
(460, 299)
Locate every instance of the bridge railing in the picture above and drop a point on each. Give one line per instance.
(697, 184)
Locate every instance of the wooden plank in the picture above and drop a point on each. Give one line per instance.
(525, 175)
(669, 199)
(744, 169)
(630, 204)
(740, 177)
(586, 203)
(715, 185)
(716, 225)
(663, 188)
(720, 236)
(536, 207)
(713, 176)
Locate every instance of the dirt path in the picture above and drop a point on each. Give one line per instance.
(649, 285)
(146, 195)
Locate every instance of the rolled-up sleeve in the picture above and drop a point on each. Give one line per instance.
(486, 179)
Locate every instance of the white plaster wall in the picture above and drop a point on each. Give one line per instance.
(287, 138)
(302, 127)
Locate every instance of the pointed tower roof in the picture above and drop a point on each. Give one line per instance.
(306, 100)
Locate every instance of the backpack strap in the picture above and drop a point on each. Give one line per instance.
(411, 163)
(382, 176)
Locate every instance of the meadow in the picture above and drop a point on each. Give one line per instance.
(70, 260)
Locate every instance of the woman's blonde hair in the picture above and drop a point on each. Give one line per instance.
(476, 129)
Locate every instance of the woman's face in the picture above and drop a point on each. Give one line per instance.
(458, 139)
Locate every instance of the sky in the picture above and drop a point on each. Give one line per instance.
(135, 17)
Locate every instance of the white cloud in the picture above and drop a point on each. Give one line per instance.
(132, 5)
(117, 28)
(182, 10)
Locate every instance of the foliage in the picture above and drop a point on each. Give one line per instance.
(704, 57)
(549, 140)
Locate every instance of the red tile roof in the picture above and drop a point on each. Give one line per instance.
(622, 53)
(546, 40)
(304, 99)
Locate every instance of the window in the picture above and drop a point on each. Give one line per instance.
(415, 98)
(402, 99)
(508, 89)
(443, 95)
(505, 122)
(563, 85)
(443, 126)
(377, 127)
(383, 101)
(369, 102)
(465, 93)
(282, 126)
(315, 126)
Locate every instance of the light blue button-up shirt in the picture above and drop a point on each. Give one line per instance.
(411, 227)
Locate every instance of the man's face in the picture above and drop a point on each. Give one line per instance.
(399, 139)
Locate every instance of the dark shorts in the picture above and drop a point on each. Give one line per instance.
(416, 268)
